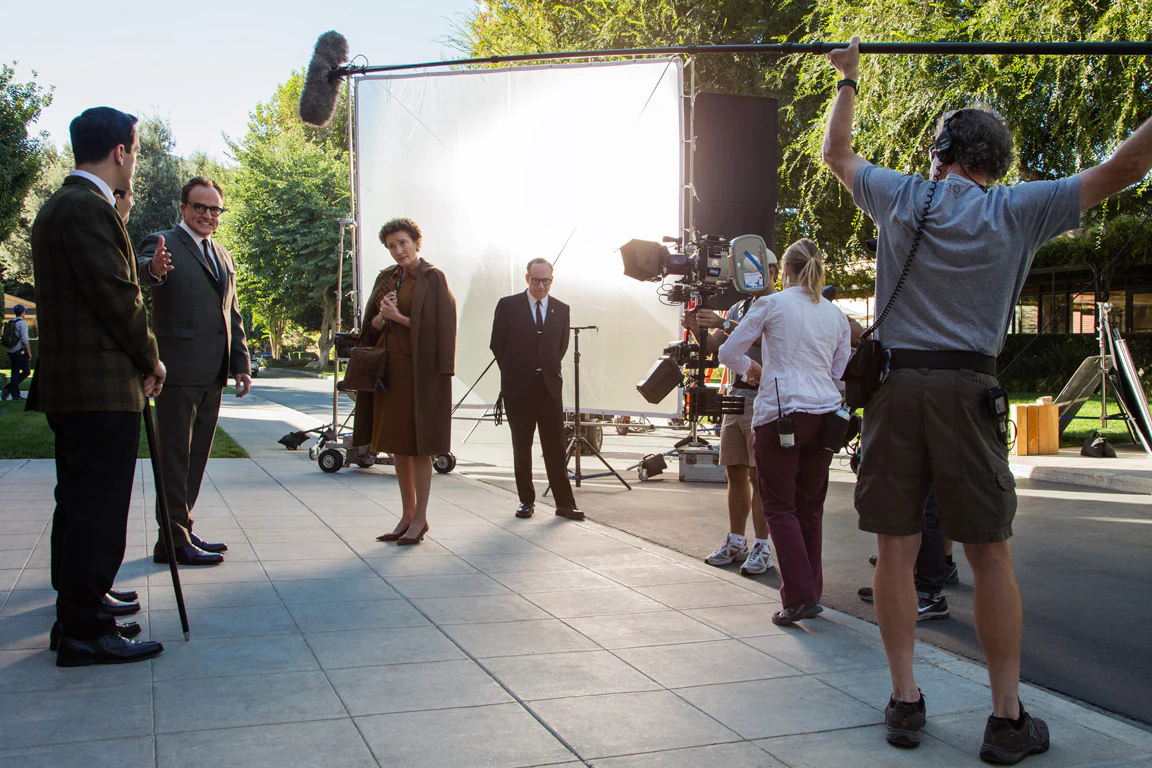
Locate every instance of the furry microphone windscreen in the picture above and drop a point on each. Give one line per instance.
(321, 86)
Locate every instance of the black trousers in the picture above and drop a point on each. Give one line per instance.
(21, 369)
(95, 464)
(930, 565)
(539, 410)
(186, 420)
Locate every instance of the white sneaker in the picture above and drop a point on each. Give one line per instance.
(759, 560)
(727, 552)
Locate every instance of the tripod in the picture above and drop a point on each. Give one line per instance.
(579, 443)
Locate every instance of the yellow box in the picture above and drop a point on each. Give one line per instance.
(1037, 429)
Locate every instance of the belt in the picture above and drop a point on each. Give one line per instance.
(920, 358)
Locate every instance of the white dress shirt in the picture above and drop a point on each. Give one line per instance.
(543, 307)
(99, 182)
(805, 347)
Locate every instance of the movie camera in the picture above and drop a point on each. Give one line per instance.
(705, 267)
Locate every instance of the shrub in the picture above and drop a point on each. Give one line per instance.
(1048, 363)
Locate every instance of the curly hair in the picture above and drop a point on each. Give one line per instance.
(401, 225)
(981, 141)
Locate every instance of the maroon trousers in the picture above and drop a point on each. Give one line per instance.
(793, 483)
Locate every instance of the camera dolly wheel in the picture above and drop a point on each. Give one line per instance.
(331, 460)
(642, 474)
(444, 463)
(366, 460)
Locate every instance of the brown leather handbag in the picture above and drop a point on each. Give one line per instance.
(367, 370)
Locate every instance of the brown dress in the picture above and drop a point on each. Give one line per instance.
(394, 413)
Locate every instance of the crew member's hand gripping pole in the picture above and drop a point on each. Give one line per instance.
(162, 502)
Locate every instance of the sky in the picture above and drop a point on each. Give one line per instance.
(202, 65)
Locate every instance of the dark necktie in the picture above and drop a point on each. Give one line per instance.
(211, 262)
(539, 318)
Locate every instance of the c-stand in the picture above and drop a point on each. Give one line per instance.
(578, 443)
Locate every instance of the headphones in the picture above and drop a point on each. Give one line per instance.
(944, 144)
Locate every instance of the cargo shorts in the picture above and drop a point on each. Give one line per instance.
(932, 429)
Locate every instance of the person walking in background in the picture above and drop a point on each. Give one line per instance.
(412, 313)
(529, 339)
(806, 342)
(196, 318)
(18, 345)
(98, 364)
(930, 425)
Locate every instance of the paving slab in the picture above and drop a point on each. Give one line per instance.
(497, 641)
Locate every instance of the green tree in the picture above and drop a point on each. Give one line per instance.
(156, 186)
(1065, 113)
(21, 154)
(16, 251)
(289, 189)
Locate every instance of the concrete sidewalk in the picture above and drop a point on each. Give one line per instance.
(496, 642)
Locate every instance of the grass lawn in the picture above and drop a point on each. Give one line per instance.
(1081, 429)
(26, 435)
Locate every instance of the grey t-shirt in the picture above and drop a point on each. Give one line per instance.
(975, 253)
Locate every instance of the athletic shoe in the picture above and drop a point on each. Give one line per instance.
(759, 560)
(728, 552)
(904, 721)
(1007, 745)
(872, 560)
(929, 608)
(953, 575)
(865, 594)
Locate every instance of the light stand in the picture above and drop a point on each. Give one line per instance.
(579, 443)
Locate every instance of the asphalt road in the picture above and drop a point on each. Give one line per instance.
(1081, 555)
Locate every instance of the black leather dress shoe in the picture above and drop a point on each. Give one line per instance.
(525, 510)
(572, 513)
(207, 546)
(124, 596)
(120, 607)
(128, 629)
(189, 554)
(110, 649)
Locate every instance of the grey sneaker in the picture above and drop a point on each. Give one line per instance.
(1008, 745)
(759, 560)
(904, 721)
(929, 608)
(952, 575)
(727, 553)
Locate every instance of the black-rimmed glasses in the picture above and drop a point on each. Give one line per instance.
(544, 281)
(211, 210)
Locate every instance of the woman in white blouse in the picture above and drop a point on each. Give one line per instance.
(805, 341)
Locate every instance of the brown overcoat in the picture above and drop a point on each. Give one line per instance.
(433, 328)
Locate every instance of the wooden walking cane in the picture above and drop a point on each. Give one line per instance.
(162, 501)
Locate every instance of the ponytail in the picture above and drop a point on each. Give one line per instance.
(802, 262)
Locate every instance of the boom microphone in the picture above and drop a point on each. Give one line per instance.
(322, 85)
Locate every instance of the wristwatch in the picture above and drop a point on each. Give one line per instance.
(727, 327)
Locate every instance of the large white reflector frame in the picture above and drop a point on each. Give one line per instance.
(500, 166)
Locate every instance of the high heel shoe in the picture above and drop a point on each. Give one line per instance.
(389, 536)
(404, 541)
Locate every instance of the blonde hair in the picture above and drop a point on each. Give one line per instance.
(803, 262)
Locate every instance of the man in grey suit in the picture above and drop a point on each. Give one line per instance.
(196, 319)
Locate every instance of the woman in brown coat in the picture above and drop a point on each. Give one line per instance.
(411, 310)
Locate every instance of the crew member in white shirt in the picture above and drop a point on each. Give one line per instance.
(806, 342)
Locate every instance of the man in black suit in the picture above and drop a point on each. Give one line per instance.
(196, 318)
(529, 339)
